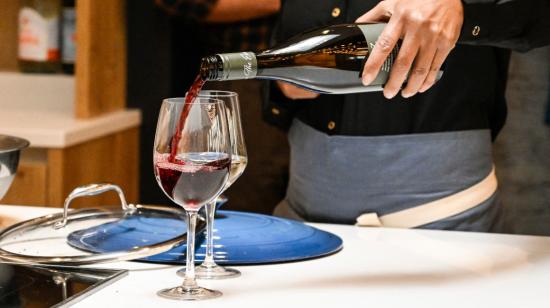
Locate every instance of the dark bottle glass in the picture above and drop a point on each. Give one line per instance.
(327, 60)
(68, 36)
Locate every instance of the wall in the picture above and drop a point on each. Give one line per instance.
(522, 150)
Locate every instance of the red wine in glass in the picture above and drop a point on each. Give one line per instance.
(191, 179)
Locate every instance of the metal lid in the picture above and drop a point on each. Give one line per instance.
(10, 143)
(43, 240)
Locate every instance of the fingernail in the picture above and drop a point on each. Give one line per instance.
(388, 95)
(367, 79)
(406, 95)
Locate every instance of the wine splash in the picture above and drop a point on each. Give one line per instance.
(192, 94)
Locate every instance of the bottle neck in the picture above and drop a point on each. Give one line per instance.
(229, 66)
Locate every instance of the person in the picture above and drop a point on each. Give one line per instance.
(239, 25)
(421, 159)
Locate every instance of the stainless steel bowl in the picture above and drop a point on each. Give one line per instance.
(10, 148)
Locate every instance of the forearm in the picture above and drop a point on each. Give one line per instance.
(239, 10)
(219, 11)
(515, 24)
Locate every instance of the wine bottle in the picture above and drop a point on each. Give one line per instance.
(68, 36)
(39, 36)
(328, 60)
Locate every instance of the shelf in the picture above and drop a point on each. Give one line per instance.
(79, 128)
(60, 129)
(37, 92)
(100, 83)
(40, 108)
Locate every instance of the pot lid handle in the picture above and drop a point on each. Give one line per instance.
(92, 190)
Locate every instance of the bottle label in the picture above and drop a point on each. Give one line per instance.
(371, 33)
(68, 53)
(239, 65)
(38, 36)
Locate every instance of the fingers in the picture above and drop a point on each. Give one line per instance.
(378, 13)
(294, 92)
(439, 58)
(429, 29)
(402, 65)
(383, 47)
(445, 44)
(420, 69)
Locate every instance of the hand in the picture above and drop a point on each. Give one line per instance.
(294, 92)
(429, 29)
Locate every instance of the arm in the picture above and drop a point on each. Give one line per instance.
(220, 11)
(293, 92)
(239, 10)
(431, 28)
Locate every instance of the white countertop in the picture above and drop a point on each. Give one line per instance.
(60, 129)
(40, 108)
(378, 267)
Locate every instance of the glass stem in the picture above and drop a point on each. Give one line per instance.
(189, 282)
(210, 213)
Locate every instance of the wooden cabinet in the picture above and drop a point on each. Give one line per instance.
(105, 158)
(30, 185)
(79, 128)
(48, 179)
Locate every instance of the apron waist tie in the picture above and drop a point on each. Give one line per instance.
(435, 210)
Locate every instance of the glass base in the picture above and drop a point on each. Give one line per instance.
(212, 272)
(189, 294)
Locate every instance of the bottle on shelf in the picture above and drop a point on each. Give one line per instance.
(68, 36)
(39, 36)
(327, 60)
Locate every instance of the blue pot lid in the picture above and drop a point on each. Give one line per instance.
(240, 238)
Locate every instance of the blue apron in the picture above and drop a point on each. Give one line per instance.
(338, 178)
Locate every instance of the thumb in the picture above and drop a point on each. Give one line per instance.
(379, 13)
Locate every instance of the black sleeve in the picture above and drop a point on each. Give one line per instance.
(514, 24)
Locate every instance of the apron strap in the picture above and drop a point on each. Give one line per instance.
(435, 210)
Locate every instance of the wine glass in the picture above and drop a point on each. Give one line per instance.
(209, 269)
(192, 158)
